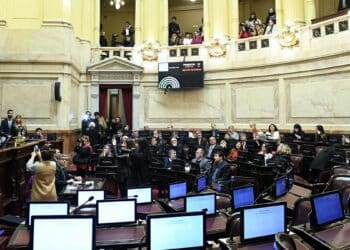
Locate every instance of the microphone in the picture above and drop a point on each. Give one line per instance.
(77, 209)
(265, 192)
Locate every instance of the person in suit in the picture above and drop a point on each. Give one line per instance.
(174, 28)
(343, 4)
(38, 134)
(141, 159)
(171, 156)
(8, 124)
(212, 147)
(214, 131)
(320, 163)
(156, 147)
(85, 123)
(174, 144)
(221, 170)
(201, 141)
(243, 140)
(204, 163)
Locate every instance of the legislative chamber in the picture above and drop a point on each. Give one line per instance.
(174, 124)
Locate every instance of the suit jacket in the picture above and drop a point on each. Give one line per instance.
(4, 127)
(215, 149)
(202, 143)
(204, 165)
(215, 133)
(223, 172)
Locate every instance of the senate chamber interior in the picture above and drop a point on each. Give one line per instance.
(174, 124)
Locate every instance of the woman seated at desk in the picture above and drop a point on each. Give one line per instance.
(298, 132)
(266, 150)
(233, 155)
(273, 133)
(320, 134)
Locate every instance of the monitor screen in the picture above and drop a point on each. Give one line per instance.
(242, 196)
(280, 186)
(111, 212)
(142, 195)
(177, 190)
(84, 195)
(262, 221)
(75, 232)
(183, 231)
(197, 203)
(201, 183)
(327, 207)
(47, 208)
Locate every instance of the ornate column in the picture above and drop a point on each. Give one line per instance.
(215, 18)
(310, 10)
(279, 14)
(95, 92)
(3, 13)
(57, 12)
(234, 24)
(294, 12)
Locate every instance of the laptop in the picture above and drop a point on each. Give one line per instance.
(143, 195)
(46, 208)
(201, 202)
(327, 208)
(201, 183)
(57, 232)
(84, 195)
(260, 222)
(115, 212)
(279, 187)
(242, 196)
(183, 231)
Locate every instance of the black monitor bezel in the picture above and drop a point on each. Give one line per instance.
(89, 190)
(115, 223)
(31, 243)
(141, 203)
(180, 214)
(174, 183)
(203, 194)
(44, 202)
(314, 215)
(265, 237)
(241, 187)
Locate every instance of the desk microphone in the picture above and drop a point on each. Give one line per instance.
(77, 209)
(265, 192)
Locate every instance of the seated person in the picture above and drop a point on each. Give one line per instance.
(187, 39)
(273, 133)
(170, 158)
(106, 157)
(204, 163)
(186, 154)
(212, 147)
(44, 170)
(298, 132)
(38, 134)
(243, 140)
(221, 170)
(201, 141)
(156, 146)
(198, 39)
(174, 144)
(320, 134)
(266, 150)
(234, 152)
(62, 178)
(232, 133)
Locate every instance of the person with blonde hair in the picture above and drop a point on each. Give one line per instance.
(21, 128)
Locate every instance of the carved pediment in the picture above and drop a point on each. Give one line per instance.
(114, 64)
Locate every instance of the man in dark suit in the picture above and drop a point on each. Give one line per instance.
(174, 27)
(343, 4)
(221, 170)
(8, 124)
(212, 147)
(214, 131)
(204, 163)
(201, 141)
(170, 158)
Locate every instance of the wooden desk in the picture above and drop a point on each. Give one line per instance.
(13, 176)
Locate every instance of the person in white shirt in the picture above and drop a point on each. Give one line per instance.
(271, 28)
(273, 133)
(187, 40)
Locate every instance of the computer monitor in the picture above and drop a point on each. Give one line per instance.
(46, 208)
(242, 196)
(200, 202)
(116, 212)
(279, 187)
(327, 208)
(183, 231)
(290, 177)
(143, 195)
(201, 183)
(262, 221)
(177, 190)
(84, 195)
(63, 232)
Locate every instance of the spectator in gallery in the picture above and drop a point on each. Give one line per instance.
(8, 124)
(114, 42)
(103, 39)
(21, 128)
(85, 123)
(198, 38)
(174, 27)
(253, 19)
(38, 134)
(271, 27)
(259, 30)
(174, 40)
(187, 39)
(270, 15)
(128, 35)
(244, 32)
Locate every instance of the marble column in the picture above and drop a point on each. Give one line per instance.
(234, 23)
(310, 10)
(3, 13)
(57, 11)
(216, 16)
(136, 102)
(294, 12)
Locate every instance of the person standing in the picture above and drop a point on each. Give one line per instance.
(174, 27)
(8, 124)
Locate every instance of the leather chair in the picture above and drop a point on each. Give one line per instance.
(345, 192)
(302, 208)
(340, 169)
(284, 241)
(239, 181)
(233, 225)
(298, 164)
(223, 201)
(337, 182)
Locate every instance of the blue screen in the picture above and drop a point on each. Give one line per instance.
(199, 202)
(280, 187)
(177, 190)
(201, 183)
(177, 232)
(243, 197)
(328, 208)
(263, 221)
